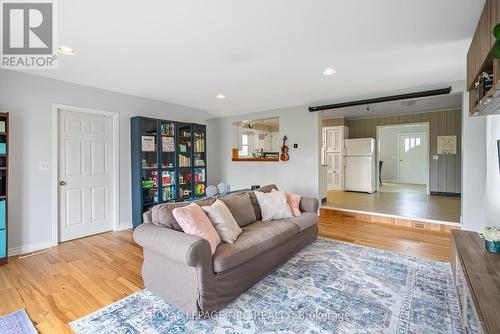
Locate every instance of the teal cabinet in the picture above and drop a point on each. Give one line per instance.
(3, 243)
(3, 215)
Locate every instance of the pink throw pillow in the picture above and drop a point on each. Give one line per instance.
(293, 201)
(193, 220)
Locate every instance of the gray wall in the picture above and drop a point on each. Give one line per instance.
(299, 175)
(28, 98)
(445, 173)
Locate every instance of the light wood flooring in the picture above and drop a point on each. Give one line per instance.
(81, 276)
(408, 204)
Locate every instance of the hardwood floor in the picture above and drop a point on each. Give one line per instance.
(408, 204)
(427, 244)
(72, 280)
(79, 277)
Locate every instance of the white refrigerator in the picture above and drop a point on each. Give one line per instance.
(360, 168)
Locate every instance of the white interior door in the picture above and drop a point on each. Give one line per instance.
(85, 174)
(333, 140)
(334, 171)
(413, 158)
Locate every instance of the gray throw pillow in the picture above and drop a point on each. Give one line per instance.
(240, 207)
(161, 214)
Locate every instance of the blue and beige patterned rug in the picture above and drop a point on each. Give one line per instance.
(329, 287)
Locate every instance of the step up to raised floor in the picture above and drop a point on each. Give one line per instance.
(378, 218)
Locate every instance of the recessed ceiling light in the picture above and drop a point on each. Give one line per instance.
(329, 71)
(221, 96)
(66, 50)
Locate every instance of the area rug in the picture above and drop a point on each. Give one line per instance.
(329, 287)
(17, 323)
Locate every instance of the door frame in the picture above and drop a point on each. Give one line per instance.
(115, 116)
(399, 151)
(427, 131)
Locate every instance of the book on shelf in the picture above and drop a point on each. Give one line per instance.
(199, 145)
(148, 143)
(199, 189)
(167, 178)
(199, 162)
(168, 193)
(168, 144)
(199, 175)
(184, 161)
(167, 129)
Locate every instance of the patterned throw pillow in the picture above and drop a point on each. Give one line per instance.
(273, 205)
(193, 220)
(293, 201)
(223, 221)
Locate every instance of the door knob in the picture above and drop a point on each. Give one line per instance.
(62, 183)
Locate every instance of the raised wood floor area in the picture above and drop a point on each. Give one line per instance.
(426, 243)
(395, 200)
(79, 277)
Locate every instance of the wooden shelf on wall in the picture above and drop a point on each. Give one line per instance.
(257, 159)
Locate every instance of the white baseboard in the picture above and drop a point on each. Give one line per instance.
(124, 226)
(47, 244)
(29, 248)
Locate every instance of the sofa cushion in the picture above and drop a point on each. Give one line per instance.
(267, 188)
(162, 214)
(273, 205)
(223, 221)
(256, 239)
(194, 221)
(305, 220)
(241, 208)
(293, 201)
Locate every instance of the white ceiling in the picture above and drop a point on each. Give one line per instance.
(263, 54)
(434, 103)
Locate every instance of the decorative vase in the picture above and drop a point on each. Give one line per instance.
(223, 188)
(211, 191)
(492, 246)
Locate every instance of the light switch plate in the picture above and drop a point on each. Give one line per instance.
(435, 157)
(43, 166)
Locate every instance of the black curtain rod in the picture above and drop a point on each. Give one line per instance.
(427, 93)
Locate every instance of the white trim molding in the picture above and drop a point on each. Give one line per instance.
(29, 248)
(55, 165)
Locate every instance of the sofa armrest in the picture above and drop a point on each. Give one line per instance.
(309, 204)
(177, 246)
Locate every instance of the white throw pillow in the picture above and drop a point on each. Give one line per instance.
(223, 221)
(273, 205)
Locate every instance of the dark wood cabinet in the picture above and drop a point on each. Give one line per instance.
(479, 57)
(476, 273)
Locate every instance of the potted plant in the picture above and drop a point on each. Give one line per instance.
(491, 236)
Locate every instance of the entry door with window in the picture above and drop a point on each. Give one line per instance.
(85, 174)
(413, 158)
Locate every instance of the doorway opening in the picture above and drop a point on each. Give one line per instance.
(403, 158)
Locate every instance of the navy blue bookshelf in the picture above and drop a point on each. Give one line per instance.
(168, 163)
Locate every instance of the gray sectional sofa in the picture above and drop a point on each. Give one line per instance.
(180, 268)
